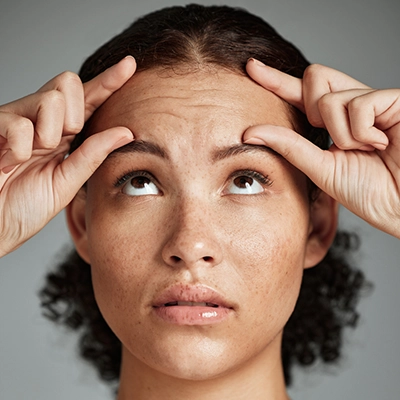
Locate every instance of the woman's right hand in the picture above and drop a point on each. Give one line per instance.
(36, 180)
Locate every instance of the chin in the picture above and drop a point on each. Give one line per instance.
(191, 358)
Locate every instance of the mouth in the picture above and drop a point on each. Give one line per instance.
(191, 305)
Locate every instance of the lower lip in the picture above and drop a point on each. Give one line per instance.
(192, 315)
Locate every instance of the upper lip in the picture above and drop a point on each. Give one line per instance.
(191, 293)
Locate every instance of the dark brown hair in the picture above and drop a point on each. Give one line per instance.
(187, 38)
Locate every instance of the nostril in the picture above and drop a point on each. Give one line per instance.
(175, 259)
(207, 258)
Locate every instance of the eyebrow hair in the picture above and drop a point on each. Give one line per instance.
(140, 146)
(240, 148)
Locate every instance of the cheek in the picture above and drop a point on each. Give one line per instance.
(123, 263)
(269, 261)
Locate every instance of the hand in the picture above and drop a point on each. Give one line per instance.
(361, 170)
(36, 180)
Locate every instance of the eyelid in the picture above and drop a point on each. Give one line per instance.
(263, 179)
(131, 174)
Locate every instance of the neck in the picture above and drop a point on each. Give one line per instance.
(260, 378)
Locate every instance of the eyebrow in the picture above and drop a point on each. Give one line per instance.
(141, 146)
(240, 148)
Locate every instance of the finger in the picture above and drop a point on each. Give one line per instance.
(50, 120)
(18, 133)
(100, 88)
(46, 111)
(317, 164)
(319, 80)
(70, 86)
(81, 164)
(375, 114)
(82, 99)
(283, 85)
(340, 116)
(386, 107)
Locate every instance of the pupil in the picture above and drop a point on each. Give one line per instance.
(139, 181)
(241, 181)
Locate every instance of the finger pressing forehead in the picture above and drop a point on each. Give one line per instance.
(283, 85)
(100, 88)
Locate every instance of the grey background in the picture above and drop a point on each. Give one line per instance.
(41, 38)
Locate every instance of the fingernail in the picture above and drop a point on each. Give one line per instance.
(256, 62)
(254, 140)
(8, 169)
(380, 146)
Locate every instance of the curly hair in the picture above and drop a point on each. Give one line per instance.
(190, 37)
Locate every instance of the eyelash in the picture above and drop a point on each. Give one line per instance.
(263, 179)
(132, 174)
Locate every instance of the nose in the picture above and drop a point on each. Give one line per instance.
(193, 238)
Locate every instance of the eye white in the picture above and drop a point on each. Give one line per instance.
(245, 185)
(140, 186)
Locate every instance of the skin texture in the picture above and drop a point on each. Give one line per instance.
(361, 169)
(193, 229)
(35, 135)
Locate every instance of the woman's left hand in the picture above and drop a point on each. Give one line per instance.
(361, 170)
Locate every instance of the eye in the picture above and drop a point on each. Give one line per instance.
(247, 182)
(138, 184)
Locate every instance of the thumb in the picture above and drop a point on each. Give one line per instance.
(317, 164)
(83, 162)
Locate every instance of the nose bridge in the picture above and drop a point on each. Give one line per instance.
(193, 238)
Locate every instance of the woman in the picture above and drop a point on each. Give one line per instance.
(197, 241)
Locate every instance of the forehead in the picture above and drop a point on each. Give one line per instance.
(212, 104)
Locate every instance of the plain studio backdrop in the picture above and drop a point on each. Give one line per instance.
(41, 38)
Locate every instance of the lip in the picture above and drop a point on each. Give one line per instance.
(173, 305)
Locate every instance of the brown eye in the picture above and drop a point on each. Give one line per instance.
(140, 186)
(241, 181)
(139, 182)
(245, 184)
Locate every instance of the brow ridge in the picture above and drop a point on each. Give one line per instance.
(141, 146)
(239, 148)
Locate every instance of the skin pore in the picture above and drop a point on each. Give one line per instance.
(188, 208)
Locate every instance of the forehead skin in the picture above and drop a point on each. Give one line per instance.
(210, 103)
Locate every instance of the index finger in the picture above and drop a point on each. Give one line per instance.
(283, 85)
(304, 94)
(100, 88)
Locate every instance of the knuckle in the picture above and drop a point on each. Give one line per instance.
(53, 98)
(325, 102)
(73, 127)
(21, 155)
(356, 104)
(313, 71)
(71, 84)
(68, 78)
(18, 125)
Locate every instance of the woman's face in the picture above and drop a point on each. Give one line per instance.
(197, 241)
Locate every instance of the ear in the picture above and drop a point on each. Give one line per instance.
(76, 212)
(323, 226)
